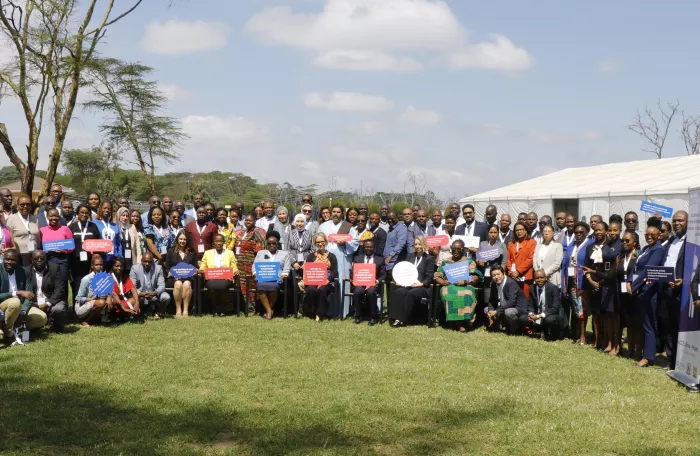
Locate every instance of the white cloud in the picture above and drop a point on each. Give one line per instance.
(176, 94)
(384, 35)
(176, 37)
(609, 66)
(366, 128)
(419, 117)
(347, 101)
(232, 128)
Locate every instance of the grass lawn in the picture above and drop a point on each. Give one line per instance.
(248, 386)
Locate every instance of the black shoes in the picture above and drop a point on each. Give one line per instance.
(372, 322)
(358, 320)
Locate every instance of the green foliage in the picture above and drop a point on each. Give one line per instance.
(8, 175)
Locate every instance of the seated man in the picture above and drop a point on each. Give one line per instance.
(15, 288)
(149, 281)
(51, 295)
(544, 310)
(359, 293)
(507, 302)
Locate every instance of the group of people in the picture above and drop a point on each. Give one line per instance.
(542, 275)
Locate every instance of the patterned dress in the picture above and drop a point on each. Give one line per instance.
(249, 244)
(460, 302)
(160, 237)
(229, 234)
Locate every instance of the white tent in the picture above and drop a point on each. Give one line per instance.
(606, 189)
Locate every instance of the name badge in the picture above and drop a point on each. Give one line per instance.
(200, 248)
(623, 287)
(571, 272)
(512, 267)
(487, 272)
(30, 246)
(127, 253)
(83, 256)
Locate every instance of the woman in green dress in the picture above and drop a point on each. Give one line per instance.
(459, 298)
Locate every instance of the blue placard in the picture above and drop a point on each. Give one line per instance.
(267, 271)
(456, 272)
(102, 284)
(63, 244)
(183, 271)
(660, 274)
(488, 254)
(651, 208)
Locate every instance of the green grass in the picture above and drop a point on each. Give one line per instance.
(247, 386)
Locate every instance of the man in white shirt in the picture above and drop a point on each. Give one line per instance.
(267, 221)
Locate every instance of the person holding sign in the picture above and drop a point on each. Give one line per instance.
(250, 240)
(316, 297)
(646, 292)
(124, 301)
(364, 293)
(485, 265)
(109, 231)
(405, 299)
(24, 230)
(459, 296)
(89, 306)
(218, 258)
(627, 304)
(445, 253)
(55, 232)
(268, 290)
(472, 228)
(157, 234)
(79, 262)
(521, 252)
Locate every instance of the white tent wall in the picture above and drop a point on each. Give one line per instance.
(594, 206)
(512, 207)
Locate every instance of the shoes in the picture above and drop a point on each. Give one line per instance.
(397, 324)
(372, 322)
(644, 363)
(358, 320)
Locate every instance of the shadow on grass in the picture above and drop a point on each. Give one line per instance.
(40, 417)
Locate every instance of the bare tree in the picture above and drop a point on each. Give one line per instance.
(690, 132)
(653, 127)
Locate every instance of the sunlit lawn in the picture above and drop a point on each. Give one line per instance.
(248, 386)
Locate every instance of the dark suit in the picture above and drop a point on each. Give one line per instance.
(404, 299)
(512, 307)
(555, 319)
(669, 307)
(646, 295)
(54, 288)
(372, 292)
(379, 239)
(480, 229)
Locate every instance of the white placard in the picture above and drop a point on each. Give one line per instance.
(405, 274)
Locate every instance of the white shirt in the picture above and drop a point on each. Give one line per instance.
(369, 259)
(13, 284)
(673, 251)
(500, 291)
(536, 235)
(40, 296)
(469, 229)
(502, 237)
(265, 222)
(540, 300)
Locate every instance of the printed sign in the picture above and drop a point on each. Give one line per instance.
(63, 244)
(98, 245)
(218, 274)
(660, 274)
(405, 274)
(437, 241)
(267, 271)
(183, 271)
(456, 272)
(650, 208)
(364, 275)
(339, 237)
(315, 274)
(470, 242)
(102, 284)
(488, 254)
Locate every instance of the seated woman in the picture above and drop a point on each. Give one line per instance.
(54, 231)
(404, 299)
(269, 291)
(316, 297)
(88, 306)
(459, 298)
(124, 302)
(218, 257)
(182, 288)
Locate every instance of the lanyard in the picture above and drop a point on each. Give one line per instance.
(517, 246)
(159, 230)
(575, 251)
(568, 238)
(25, 222)
(627, 261)
(83, 232)
(502, 237)
(417, 261)
(201, 231)
(120, 285)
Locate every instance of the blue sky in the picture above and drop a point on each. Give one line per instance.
(475, 95)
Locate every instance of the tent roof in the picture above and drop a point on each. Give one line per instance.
(637, 178)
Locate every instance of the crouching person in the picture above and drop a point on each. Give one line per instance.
(16, 297)
(149, 281)
(50, 291)
(545, 312)
(89, 307)
(507, 304)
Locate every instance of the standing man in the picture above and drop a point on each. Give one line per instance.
(67, 213)
(420, 225)
(504, 232)
(560, 219)
(6, 199)
(51, 294)
(471, 227)
(149, 282)
(123, 201)
(267, 221)
(153, 202)
(308, 199)
(436, 227)
(377, 231)
(531, 221)
(363, 209)
(201, 232)
(167, 205)
(415, 209)
(47, 203)
(395, 249)
(407, 215)
(566, 237)
(198, 201)
(632, 223)
(384, 217)
(491, 214)
(595, 220)
(56, 193)
(670, 293)
(456, 213)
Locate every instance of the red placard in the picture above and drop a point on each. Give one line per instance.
(218, 274)
(315, 274)
(339, 237)
(437, 241)
(364, 275)
(98, 245)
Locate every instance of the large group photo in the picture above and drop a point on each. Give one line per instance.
(377, 227)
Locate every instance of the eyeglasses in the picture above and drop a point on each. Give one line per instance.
(306, 211)
(663, 231)
(321, 243)
(271, 242)
(650, 235)
(457, 249)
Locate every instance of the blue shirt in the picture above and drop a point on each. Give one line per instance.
(396, 244)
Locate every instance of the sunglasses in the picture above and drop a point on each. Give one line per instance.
(650, 235)
(306, 211)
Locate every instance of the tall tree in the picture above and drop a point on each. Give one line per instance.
(133, 105)
(653, 126)
(51, 41)
(93, 170)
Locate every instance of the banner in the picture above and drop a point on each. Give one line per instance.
(315, 274)
(267, 271)
(651, 208)
(488, 254)
(98, 245)
(63, 244)
(218, 274)
(660, 274)
(687, 369)
(364, 275)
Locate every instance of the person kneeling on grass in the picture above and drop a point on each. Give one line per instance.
(508, 304)
(50, 289)
(149, 281)
(544, 310)
(16, 297)
(124, 301)
(89, 307)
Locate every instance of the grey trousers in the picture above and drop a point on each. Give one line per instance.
(159, 304)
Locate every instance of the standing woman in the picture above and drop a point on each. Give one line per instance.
(521, 252)
(218, 257)
(226, 229)
(405, 299)
(351, 215)
(282, 226)
(175, 227)
(549, 255)
(324, 215)
(129, 237)
(299, 242)
(572, 282)
(269, 291)
(109, 231)
(600, 282)
(445, 251)
(493, 242)
(182, 288)
(93, 203)
(645, 292)
(312, 225)
(250, 241)
(54, 231)
(24, 230)
(316, 298)
(627, 303)
(136, 222)
(82, 229)
(157, 234)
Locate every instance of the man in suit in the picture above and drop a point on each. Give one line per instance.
(436, 227)
(51, 295)
(67, 213)
(595, 220)
(378, 231)
(149, 282)
(368, 295)
(491, 214)
(47, 203)
(507, 302)
(17, 296)
(407, 215)
(395, 248)
(471, 227)
(560, 220)
(544, 310)
(531, 220)
(504, 232)
(670, 293)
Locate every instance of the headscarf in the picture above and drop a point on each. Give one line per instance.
(300, 217)
(282, 228)
(120, 211)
